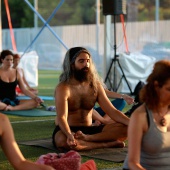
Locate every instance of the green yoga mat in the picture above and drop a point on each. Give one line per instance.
(30, 113)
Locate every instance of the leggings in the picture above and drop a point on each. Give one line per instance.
(119, 104)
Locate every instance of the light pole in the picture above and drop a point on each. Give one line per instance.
(157, 18)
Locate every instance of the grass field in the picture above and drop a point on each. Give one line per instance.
(29, 128)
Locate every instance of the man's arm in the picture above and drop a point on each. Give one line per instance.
(61, 100)
(109, 109)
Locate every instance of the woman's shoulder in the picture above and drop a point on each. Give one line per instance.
(140, 112)
(139, 118)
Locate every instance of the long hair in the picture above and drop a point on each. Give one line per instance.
(69, 60)
(161, 74)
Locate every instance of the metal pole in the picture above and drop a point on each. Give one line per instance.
(97, 25)
(45, 23)
(157, 10)
(107, 48)
(35, 16)
(157, 18)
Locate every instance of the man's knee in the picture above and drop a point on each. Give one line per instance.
(125, 128)
(60, 140)
(123, 132)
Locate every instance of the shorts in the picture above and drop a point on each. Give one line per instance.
(10, 102)
(85, 129)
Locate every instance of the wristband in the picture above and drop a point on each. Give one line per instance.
(122, 96)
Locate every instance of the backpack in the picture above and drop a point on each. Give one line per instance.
(137, 89)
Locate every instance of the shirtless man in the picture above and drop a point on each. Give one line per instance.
(79, 89)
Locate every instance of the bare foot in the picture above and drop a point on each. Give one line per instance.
(84, 145)
(80, 135)
(118, 144)
(113, 144)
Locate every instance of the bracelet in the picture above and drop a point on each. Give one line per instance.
(122, 96)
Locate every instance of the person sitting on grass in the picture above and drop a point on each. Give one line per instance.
(79, 89)
(16, 61)
(11, 149)
(149, 127)
(9, 79)
(119, 103)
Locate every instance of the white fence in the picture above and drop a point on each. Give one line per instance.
(51, 51)
(148, 38)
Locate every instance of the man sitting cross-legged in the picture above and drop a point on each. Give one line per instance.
(76, 94)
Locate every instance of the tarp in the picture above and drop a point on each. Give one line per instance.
(136, 67)
(29, 63)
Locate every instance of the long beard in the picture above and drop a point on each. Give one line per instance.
(81, 75)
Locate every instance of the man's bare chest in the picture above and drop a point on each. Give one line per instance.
(82, 98)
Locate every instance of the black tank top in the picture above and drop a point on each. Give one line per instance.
(7, 90)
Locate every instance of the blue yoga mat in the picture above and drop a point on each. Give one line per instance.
(42, 97)
(30, 113)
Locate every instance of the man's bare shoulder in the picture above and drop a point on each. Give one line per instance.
(62, 88)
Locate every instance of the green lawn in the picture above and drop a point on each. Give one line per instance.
(25, 130)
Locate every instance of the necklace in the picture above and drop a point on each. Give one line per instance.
(163, 121)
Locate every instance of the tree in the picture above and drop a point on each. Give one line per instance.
(74, 12)
(21, 14)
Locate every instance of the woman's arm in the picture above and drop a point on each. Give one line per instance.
(24, 79)
(11, 149)
(109, 109)
(21, 71)
(136, 129)
(114, 95)
(98, 118)
(26, 91)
